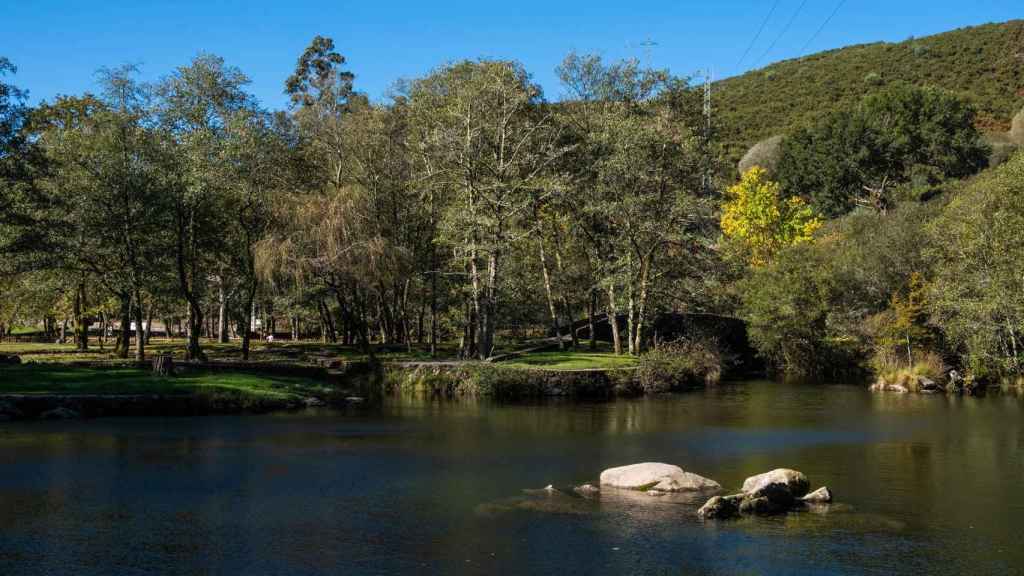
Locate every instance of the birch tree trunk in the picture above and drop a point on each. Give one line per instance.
(551, 299)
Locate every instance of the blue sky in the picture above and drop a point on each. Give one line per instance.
(58, 45)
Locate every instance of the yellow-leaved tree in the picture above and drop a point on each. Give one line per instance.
(763, 223)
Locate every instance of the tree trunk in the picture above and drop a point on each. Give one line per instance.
(140, 334)
(195, 327)
(551, 299)
(487, 323)
(222, 312)
(126, 326)
(591, 313)
(81, 330)
(250, 298)
(613, 319)
(642, 308)
(149, 323)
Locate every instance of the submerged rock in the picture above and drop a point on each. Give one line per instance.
(60, 413)
(9, 411)
(794, 480)
(820, 496)
(656, 476)
(313, 402)
(587, 489)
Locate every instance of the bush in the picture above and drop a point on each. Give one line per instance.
(680, 365)
(890, 364)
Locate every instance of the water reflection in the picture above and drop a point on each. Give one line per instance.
(924, 485)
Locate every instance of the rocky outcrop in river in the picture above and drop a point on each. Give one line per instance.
(650, 476)
(775, 492)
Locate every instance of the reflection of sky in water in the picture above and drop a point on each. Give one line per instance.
(924, 485)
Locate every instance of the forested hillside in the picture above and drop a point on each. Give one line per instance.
(984, 64)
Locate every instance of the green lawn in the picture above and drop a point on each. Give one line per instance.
(305, 352)
(571, 360)
(38, 378)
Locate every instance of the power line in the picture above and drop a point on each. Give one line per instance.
(823, 24)
(759, 31)
(783, 33)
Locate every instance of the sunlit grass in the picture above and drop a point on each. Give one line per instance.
(572, 360)
(41, 378)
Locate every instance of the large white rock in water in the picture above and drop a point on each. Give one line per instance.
(796, 481)
(656, 476)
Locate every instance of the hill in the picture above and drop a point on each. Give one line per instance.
(984, 63)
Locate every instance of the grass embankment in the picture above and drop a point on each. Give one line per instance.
(50, 379)
(277, 352)
(310, 353)
(571, 360)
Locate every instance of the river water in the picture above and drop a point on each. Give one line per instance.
(924, 485)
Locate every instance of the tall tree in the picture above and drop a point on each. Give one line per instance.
(493, 143)
(195, 103)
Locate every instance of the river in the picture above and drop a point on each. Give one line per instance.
(923, 485)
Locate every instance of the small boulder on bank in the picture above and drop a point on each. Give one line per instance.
(794, 480)
(9, 359)
(656, 476)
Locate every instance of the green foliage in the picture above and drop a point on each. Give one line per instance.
(823, 305)
(896, 143)
(891, 367)
(786, 306)
(978, 63)
(977, 296)
(681, 365)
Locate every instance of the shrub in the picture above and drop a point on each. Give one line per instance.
(680, 365)
(890, 364)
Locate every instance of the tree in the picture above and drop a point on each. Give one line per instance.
(19, 162)
(492, 143)
(105, 185)
(897, 143)
(909, 315)
(787, 307)
(756, 216)
(195, 103)
(253, 158)
(977, 293)
(636, 182)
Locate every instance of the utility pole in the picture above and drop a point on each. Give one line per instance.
(706, 177)
(647, 45)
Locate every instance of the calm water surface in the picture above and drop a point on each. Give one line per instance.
(925, 485)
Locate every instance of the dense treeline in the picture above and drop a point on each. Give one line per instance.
(467, 208)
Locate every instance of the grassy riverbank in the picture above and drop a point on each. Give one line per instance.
(53, 379)
(572, 360)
